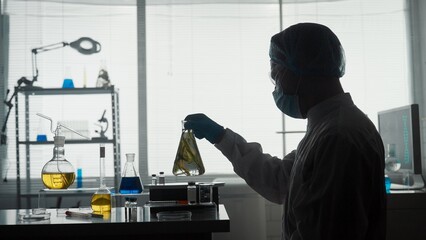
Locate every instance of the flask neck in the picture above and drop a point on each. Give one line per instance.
(58, 153)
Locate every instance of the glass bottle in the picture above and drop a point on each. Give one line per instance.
(154, 179)
(188, 159)
(58, 173)
(392, 163)
(130, 180)
(101, 199)
(161, 178)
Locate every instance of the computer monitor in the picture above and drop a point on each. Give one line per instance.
(401, 127)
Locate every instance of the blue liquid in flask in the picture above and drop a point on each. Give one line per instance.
(130, 185)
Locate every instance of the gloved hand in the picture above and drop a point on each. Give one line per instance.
(203, 127)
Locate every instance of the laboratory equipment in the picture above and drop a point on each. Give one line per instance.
(103, 77)
(58, 173)
(205, 193)
(154, 179)
(161, 178)
(68, 83)
(400, 130)
(25, 140)
(102, 120)
(82, 214)
(130, 180)
(79, 178)
(387, 184)
(174, 197)
(131, 209)
(101, 199)
(192, 193)
(392, 163)
(188, 159)
(37, 214)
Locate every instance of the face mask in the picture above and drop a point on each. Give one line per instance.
(288, 104)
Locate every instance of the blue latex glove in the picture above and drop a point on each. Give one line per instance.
(203, 127)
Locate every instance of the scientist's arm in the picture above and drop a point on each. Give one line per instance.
(266, 174)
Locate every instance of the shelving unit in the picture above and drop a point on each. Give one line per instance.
(29, 92)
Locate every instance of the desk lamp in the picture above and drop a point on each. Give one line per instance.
(83, 45)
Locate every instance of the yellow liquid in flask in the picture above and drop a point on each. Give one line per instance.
(58, 180)
(188, 159)
(101, 203)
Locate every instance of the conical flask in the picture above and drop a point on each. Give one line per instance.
(188, 159)
(58, 173)
(101, 199)
(130, 180)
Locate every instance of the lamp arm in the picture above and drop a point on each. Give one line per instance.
(46, 48)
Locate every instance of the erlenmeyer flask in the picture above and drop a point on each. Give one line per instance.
(188, 159)
(130, 180)
(58, 173)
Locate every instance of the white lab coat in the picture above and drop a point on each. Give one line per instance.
(332, 186)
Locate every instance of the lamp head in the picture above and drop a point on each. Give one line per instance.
(86, 46)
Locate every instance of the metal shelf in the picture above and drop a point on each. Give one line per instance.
(70, 141)
(30, 91)
(64, 91)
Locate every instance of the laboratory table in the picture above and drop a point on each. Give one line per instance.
(203, 223)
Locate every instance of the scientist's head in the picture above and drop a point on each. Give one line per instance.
(307, 61)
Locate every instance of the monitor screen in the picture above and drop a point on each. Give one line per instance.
(400, 132)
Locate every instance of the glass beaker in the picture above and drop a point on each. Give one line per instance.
(101, 199)
(58, 173)
(130, 180)
(188, 159)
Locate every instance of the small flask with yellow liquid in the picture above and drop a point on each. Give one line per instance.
(101, 199)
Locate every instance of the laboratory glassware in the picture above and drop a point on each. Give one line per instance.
(154, 179)
(392, 163)
(192, 193)
(130, 180)
(161, 178)
(188, 159)
(387, 184)
(58, 173)
(101, 199)
(131, 209)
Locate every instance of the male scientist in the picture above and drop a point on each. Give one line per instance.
(332, 186)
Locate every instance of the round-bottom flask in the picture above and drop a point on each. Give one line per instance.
(101, 201)
(392, 163)
(58, 173)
